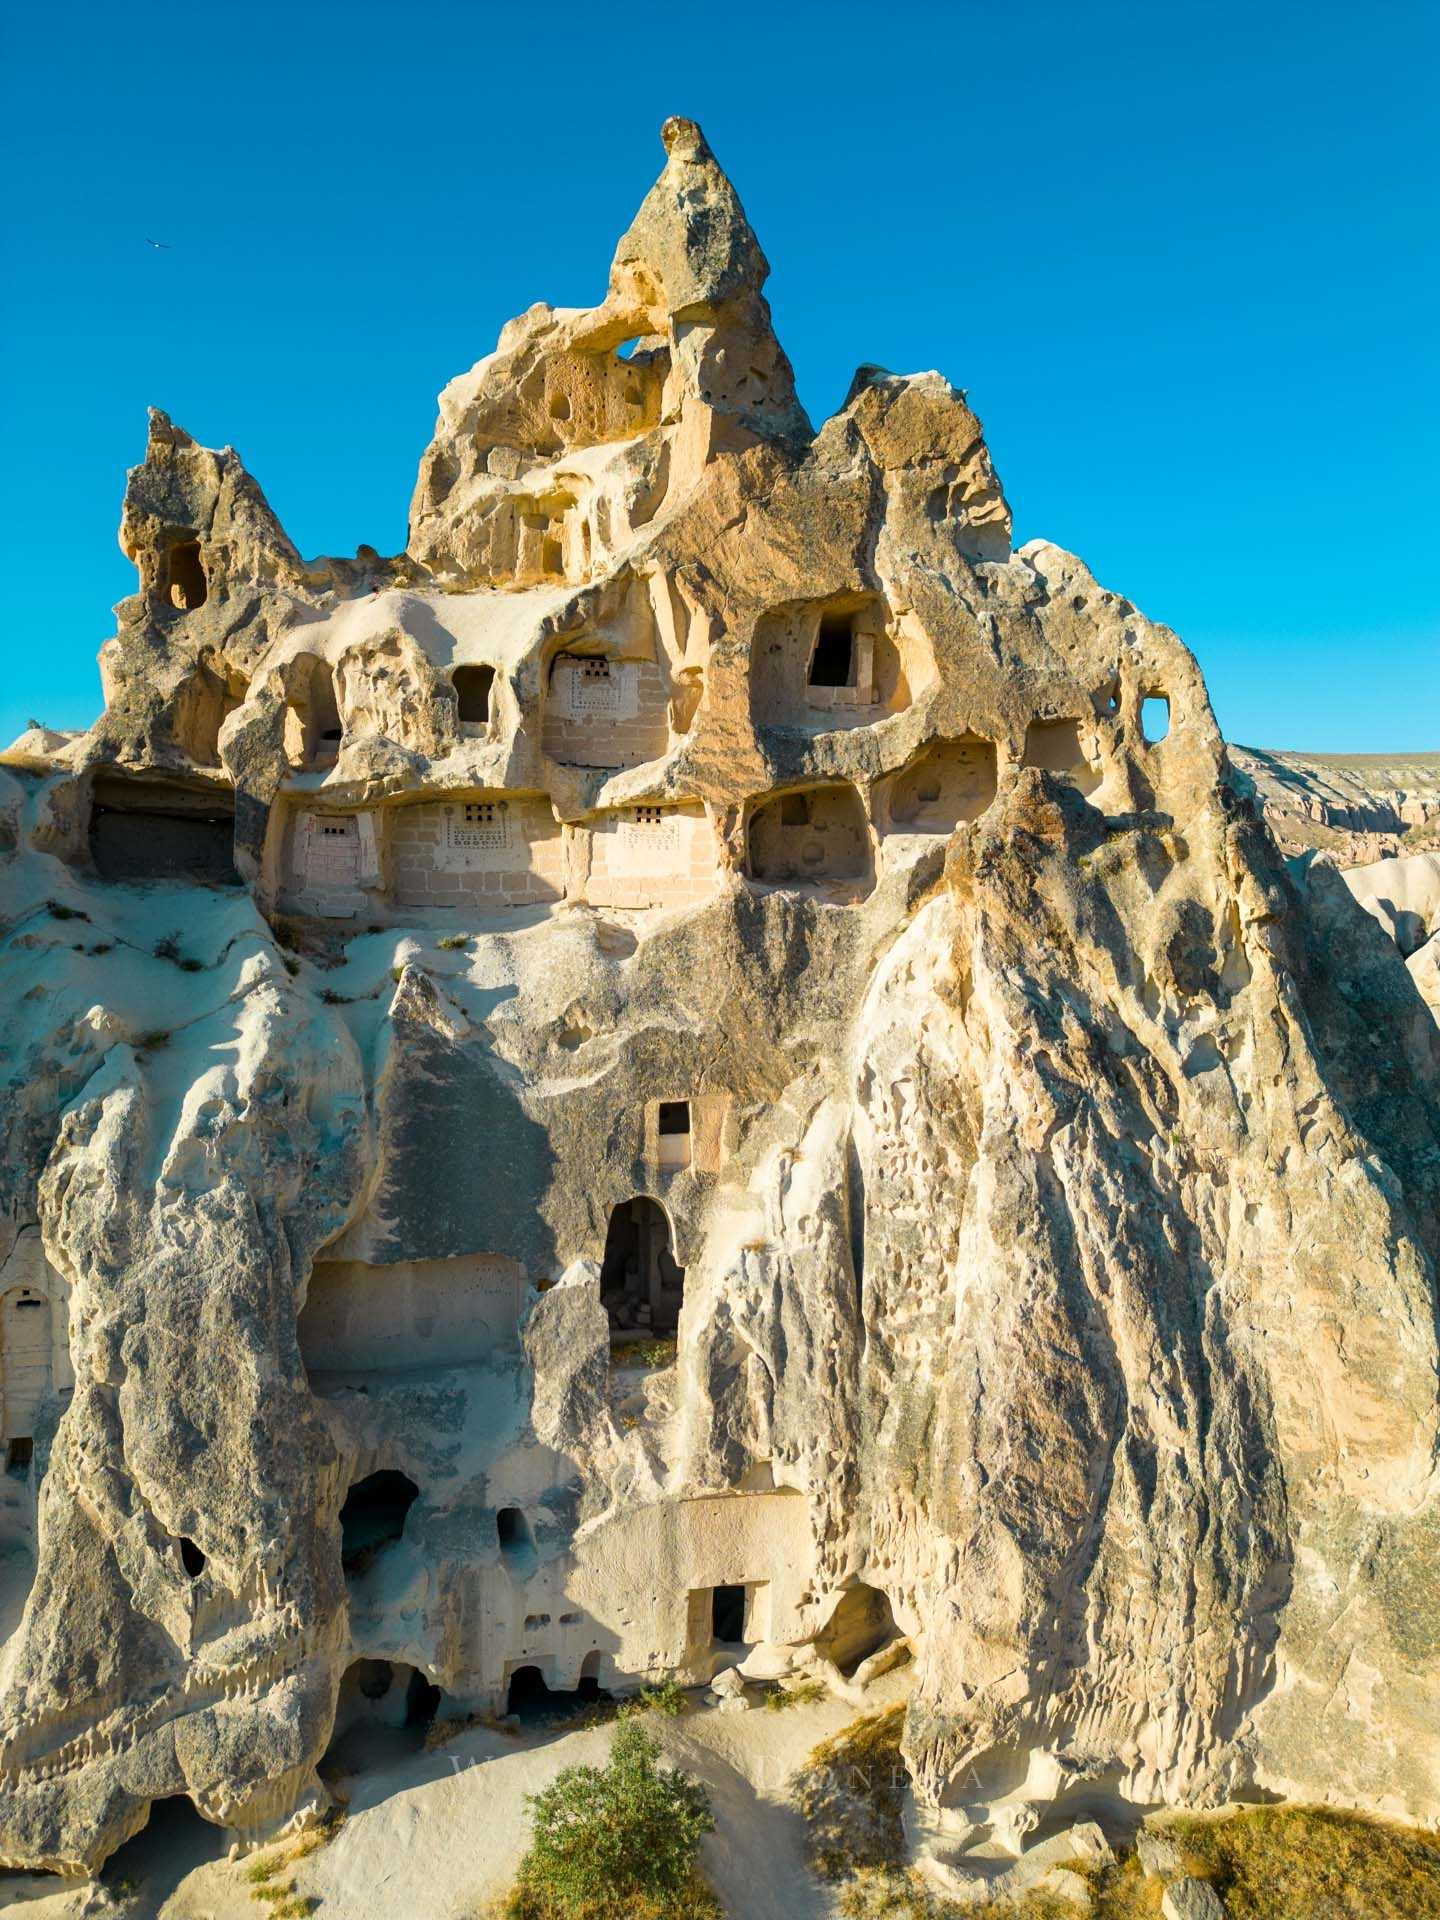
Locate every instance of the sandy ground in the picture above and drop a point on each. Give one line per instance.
(435, 1836)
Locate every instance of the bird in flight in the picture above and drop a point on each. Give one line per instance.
(162, 246)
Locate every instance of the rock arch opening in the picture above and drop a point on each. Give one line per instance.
(952, 782)
(860, 1625)
(1155, 718)
(812, 837)
(1055, 745)
(642, 1286)
(383, 1713)
(373, 1517)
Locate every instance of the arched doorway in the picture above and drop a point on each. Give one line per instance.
(641, 1285)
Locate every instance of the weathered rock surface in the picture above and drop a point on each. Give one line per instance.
(708, 848)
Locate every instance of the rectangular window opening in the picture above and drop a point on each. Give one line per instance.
(727, 1616)
(832, 664)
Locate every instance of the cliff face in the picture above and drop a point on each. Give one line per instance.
(708, 1066)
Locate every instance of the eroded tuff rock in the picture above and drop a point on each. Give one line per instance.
(708, 889)
(1355, 808)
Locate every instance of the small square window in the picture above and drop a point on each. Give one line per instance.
(674, 1116)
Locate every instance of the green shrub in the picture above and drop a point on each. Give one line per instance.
(805, 1693)
(451, 942)
(668, 1698)
(616, 1842)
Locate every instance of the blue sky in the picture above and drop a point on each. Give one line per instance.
(1183, 258)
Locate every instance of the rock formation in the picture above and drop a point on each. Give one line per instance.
(1355, 807)
(709, 1066)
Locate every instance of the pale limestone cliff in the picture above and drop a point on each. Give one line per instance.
(709, 890)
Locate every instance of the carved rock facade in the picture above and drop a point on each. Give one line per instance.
(709, 1065)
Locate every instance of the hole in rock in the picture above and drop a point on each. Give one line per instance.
(192, 1559)
(951, 782)
(832, 664)
(373, 1517)
(1055, 746)
(727, 1615)
(531, 1699)
(1154, 717)
(185, 572)
(313, 727)
(641, 1286)
(473, 688)
(153, 830)
(18, 1455)
(517, 1542)
(382, 1714)
(861, 1623)
(559, 406)
(811, 837)
(173, 1842)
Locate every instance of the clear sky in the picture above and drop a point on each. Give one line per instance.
(1182, 257)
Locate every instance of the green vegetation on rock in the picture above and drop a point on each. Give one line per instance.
(618, 1842)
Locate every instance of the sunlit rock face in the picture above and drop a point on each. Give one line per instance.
(710, 1065)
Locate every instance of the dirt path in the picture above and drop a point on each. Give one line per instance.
(438, 1835)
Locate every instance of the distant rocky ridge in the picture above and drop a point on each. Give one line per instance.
(1354, 807)
(1376, 817)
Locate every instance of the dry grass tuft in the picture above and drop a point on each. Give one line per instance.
(1314, 1863)
(850, 1793)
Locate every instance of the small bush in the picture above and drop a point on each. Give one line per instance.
(59, 912)
(153, 1042)
(616, 1842)
(452, 942)
(668, 1698)
(167, 947)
